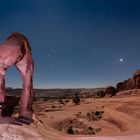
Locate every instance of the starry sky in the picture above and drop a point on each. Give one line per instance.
(75, 43)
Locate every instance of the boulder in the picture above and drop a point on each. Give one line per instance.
(111, 91)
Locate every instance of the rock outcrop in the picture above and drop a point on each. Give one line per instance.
(130, 83)
(125, 85)
(136, 79)
(111, 91)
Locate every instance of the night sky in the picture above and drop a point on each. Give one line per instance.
(75, 43)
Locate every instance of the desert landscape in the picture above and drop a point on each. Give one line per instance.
(102, 113)
(70, 70)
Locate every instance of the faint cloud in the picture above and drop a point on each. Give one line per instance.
(54, 50)
(49, 55)
(59, 33)
(52, 65)
(94, 51)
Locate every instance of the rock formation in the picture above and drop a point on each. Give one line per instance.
(125, 85)
(16, 51)
(136, 79)
(111, 91)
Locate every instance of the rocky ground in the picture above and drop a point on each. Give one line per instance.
(107, 118)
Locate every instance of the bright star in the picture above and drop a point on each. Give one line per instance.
(121, 59)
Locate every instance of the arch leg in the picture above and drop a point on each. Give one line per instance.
(26, 100)
(2, 88)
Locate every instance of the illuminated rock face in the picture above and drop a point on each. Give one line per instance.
(136, 79)
(130, 83)
(125, 85)
(16, 51)
(16, 132)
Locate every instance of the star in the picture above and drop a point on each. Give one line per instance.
(121, 60)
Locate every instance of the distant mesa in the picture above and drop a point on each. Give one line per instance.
(130, 83)
(9, 88)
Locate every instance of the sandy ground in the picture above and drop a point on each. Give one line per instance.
(120, 120)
